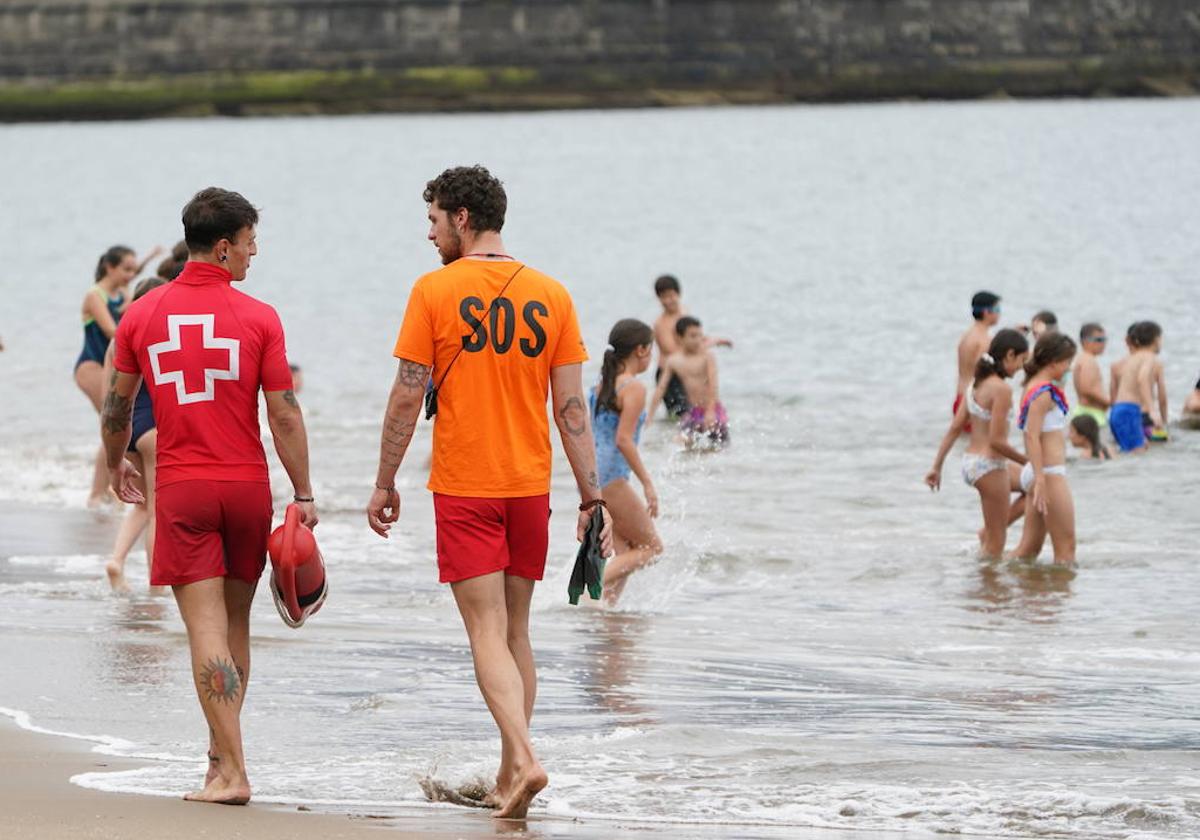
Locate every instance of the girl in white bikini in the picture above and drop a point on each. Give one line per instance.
(1044, 419)
(990, 464)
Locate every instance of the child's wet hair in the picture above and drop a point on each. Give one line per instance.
(626, 336)
(1052, 347)
(1004, 342)
(1089, 430)
(111, 259)
(685, 323)
(666, 283)
(1144, 333)
(148, 285)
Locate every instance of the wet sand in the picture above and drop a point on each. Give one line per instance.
(41, 803)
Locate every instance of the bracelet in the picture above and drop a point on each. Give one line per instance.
(302, 498)
(391, 489)
(586, 506)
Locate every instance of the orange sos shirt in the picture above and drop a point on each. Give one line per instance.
(491, 435)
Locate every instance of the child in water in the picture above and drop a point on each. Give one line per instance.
(669, 294)
(1138, 412)
(1043, 418)
(696, 367)
(617, 404)
(991, 465)
(1084, 435)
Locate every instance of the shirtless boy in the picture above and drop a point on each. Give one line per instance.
(696, 366)
(1089, 382)
(985, 308)
(669, 294)
(1135, 404)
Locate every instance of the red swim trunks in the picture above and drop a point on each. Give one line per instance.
(480, 536)
(209, 529)
(957, 402)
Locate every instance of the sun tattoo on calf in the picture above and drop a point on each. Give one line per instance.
(219, 681)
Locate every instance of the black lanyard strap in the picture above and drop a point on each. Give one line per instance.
(431, 396)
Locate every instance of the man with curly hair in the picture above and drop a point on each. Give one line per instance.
(497, 337)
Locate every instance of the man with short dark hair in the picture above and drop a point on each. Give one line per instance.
(205, 351)
(985, 309)
(1089, 381)
(497, 335)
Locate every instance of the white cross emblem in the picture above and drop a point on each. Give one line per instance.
(208, 342)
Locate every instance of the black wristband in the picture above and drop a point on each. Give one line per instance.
(391, 489)
(302, 498)
(586, 506)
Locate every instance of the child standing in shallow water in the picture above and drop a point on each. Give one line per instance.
(696, 367)
(990, 464)
(1043, 417)
(618, 415)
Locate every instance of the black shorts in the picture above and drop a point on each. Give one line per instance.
(675, 398)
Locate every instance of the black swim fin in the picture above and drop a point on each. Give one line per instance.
(588, 574)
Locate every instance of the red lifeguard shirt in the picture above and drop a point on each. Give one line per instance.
(204, 350)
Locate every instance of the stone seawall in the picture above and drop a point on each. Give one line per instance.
(98, 58)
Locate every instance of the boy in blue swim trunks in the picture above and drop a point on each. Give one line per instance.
(1135, 404)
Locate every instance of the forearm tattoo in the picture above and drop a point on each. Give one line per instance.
(117, 413)
(412, 375)
(593, 482)
(397, 432)
(219, 681)
(573, 416)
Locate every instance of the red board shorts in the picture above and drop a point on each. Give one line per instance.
(480, 536)
(208, 529)
(954, 412)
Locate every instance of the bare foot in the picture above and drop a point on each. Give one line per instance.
(116, 576)
(222, 792)
(214, 766)
(496, 797)
(526, 786)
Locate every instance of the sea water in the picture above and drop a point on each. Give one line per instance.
(818, 645)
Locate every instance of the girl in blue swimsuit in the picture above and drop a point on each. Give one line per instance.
(618, 413)
(102, 308)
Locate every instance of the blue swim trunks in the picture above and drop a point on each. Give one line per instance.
(1125, 420)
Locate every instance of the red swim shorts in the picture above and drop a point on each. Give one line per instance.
(954, 411)
(480, 536)
(208, 529)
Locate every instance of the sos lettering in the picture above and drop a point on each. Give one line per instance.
(498, 326)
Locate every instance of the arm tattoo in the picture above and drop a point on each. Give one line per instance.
(396, 435)
(573, 416)
(117, 412)
(219, 681)
(592, 481)
(289, 397)
(411, 374)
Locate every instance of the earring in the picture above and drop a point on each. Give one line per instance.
(223, 257)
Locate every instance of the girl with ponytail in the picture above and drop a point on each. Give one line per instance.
(618, 409)
(990, 464)
(102, 308)
(1043, 418)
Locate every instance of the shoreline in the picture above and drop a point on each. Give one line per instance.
(452, 89)
(43, 802)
